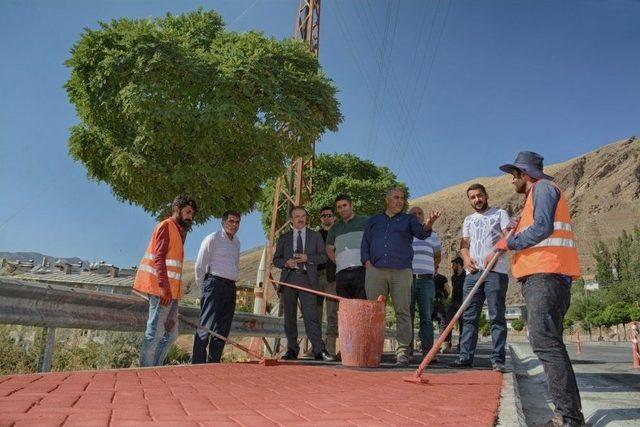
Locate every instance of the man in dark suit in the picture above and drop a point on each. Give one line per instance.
(298, 253)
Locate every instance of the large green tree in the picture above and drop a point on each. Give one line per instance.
(335, 174)
(180, 105)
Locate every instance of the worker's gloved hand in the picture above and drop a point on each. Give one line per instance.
(501, 246)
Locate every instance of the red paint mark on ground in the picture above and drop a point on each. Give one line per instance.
(248, 395)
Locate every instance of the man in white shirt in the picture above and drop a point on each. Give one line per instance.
(480, 232)
(217, 269)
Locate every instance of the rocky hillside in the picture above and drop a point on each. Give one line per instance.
(603, 189)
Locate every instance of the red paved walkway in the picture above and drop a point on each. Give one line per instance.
(247, 395)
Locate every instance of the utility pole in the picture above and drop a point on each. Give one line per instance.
(295, 186)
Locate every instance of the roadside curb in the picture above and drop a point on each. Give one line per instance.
(510, 411)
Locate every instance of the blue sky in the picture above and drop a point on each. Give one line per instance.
(459, 88)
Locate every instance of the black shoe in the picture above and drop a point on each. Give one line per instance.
(324, 355)
(461, 365)
(289, 355)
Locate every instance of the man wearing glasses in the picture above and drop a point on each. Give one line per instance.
(216, 271)
(327, 282)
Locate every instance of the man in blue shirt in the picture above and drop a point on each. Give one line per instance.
(387, 254)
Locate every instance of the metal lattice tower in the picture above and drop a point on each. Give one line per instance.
(295, 186)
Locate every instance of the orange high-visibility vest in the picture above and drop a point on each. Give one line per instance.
(557, 254)
(147, 276)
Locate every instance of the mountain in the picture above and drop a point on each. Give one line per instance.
(36, 257)
(602, 188)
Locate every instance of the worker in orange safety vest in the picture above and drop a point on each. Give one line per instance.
(545, 262)
(159, 280)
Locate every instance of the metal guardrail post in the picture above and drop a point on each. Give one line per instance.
(47, 340)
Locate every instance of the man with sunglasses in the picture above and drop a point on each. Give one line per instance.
(327, 282)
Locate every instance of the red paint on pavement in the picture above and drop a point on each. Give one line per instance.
(246, 395)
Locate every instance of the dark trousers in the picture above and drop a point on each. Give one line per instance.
(350, 283)
(494, 289)
(547, 297)
(309, 307)
(217, 305)
(451, 311)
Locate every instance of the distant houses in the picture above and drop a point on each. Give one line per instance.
(99, 276)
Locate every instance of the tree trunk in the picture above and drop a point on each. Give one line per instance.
(624, 328)
(618, 331)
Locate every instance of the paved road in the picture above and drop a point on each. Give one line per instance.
(609, 386)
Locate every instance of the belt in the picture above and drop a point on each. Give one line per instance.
(224, 279)
(356, 268)
(299, 271)
(423, 276)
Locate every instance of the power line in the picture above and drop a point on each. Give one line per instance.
(243, 13)
(430, 70)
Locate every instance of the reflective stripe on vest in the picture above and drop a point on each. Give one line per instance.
(167, 262)
(556, 241)
(151, 270)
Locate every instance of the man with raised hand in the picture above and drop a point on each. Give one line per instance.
(387, 254)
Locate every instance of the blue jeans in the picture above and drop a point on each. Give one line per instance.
(157, 341)
(494, 290)
(423, 292)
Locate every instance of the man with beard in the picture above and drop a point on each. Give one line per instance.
(343, 247)
(387, 253)
(480, 232)
(217, 268)
(159, 279)
(545, 263)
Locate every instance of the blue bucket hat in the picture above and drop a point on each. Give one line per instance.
(529, 163)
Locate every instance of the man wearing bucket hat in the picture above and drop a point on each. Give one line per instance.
(546, 262)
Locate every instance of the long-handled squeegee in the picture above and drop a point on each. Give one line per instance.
(417, 376)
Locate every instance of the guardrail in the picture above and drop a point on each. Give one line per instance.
(50, 306)
(34, 304)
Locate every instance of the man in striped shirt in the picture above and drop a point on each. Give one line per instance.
(426, 258)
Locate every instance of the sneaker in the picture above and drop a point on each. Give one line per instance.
(459, 364)
(499, 367)
(403, 360)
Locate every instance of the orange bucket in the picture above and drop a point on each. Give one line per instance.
(361, 325)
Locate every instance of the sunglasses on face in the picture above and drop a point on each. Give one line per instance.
(326, 215)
